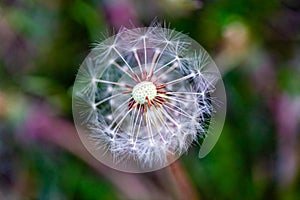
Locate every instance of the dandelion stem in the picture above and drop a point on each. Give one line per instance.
(183, 182)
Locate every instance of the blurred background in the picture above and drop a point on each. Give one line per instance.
(256, 45)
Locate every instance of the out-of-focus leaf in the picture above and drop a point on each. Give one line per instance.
(88, 16)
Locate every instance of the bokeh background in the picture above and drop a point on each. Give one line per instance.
(256, 45)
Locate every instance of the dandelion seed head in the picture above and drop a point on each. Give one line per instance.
(111, 61)
(144, 95)
(142, 91)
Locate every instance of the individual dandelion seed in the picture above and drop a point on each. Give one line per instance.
(144, 95)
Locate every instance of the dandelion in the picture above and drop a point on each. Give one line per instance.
(143, 96)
